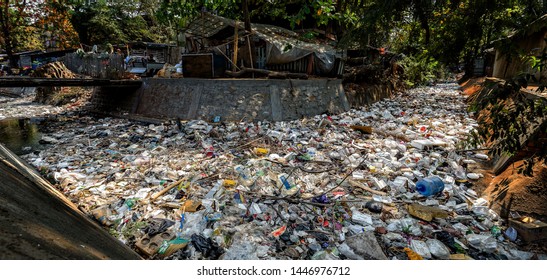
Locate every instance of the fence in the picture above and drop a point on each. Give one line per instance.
(95, 65)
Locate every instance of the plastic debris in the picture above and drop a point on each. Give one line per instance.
(206, 246)
(374, 206)
(348, 252)
(366, 245)
(278, 232)
(430, 186)
(426, 213)
(158, 226)
(420, 248)
(438, 249)
(361, 218)
(324, 187)
(485, 243)
(412, 255)
(511, 233)
(169, 247)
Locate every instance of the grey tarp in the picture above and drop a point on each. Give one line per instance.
(284, 49)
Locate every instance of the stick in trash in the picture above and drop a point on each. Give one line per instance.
(162, 192)
(363, 187)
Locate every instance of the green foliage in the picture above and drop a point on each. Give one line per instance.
(322, 11)
(118, 22)
(15, 23)
(451, 31)
(406, 229)
(421, 69)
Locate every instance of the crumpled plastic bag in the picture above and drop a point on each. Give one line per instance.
(206, 246)
(157, 226)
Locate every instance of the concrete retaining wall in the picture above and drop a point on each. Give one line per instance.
(231, 99)
(363, 94)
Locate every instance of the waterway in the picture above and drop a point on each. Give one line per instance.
(21, 135)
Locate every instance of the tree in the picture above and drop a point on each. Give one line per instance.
(114, 22)
(22, 23)
(55, 24)
(15, 17)
(450, 31)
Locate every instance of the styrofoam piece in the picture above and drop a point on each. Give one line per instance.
(420, 248)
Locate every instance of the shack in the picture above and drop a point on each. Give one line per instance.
(162, 53)
(215, 44)
(527, 41)
(33, 59)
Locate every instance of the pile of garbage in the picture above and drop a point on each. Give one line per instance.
(11, 107)
(389, 181)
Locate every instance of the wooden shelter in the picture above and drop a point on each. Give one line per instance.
(216, 43)
(528, 41)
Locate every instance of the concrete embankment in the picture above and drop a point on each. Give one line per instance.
(38, 222)
(229, 99)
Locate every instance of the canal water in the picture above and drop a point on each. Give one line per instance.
(21, 136)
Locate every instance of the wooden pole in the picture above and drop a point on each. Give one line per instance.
(233, 64)
(309, 70)
(248, 29)
(162, 192)
(250, 53)
(235, 48)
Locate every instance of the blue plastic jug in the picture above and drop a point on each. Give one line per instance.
(430, 186)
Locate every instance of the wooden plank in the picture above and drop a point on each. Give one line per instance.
(198, 65)
(236, 44)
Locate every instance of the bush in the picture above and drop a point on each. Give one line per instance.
(421, 69)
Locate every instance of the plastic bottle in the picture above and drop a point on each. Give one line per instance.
(430, 186)
(245, 177)
(289, 188)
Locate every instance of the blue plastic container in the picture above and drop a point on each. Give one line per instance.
(430, 186)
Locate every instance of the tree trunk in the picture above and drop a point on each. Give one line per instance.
(250, 43)
(246, 15)
(13, 63)
(6, 33)
(423, 18)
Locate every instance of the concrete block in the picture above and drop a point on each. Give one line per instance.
(275, 100)
(194, 105)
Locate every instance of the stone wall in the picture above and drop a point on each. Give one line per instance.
(362, 94)
(230, 99)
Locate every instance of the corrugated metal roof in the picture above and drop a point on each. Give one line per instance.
(208, 25)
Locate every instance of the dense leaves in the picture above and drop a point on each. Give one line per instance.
(450, 31)
(15, 22)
